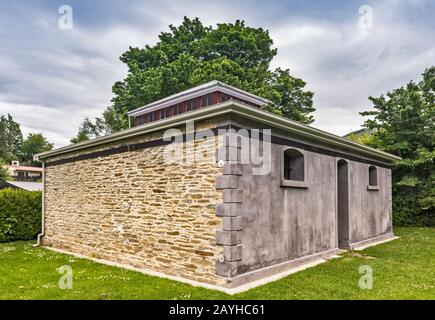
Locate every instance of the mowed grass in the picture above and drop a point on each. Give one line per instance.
(402, 269)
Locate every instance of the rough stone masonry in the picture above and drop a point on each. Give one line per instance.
(134, 209)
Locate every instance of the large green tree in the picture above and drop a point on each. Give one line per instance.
(11, 139)
(34, 143)
(192, 54)
(402, 123)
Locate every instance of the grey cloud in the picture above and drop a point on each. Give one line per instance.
(344, 64)
(52, 79)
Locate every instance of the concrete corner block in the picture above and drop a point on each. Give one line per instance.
(228, 238)
(233, 223)
(233, 169)
(226, 182)
(233, 196)
(226, 268)
(228, 209)
(232, 253)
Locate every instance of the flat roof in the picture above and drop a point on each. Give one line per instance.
(197, 91)
(237, 108)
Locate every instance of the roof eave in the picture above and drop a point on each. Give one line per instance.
(257, 114)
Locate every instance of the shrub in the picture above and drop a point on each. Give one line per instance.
(20, 214)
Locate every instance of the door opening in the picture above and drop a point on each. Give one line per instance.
(343, 204)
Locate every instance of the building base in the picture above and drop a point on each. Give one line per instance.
(254, 278)
(361, 245)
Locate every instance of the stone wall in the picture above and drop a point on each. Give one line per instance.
(133, 208)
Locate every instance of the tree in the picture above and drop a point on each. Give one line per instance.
(362, 136)
(402, 123)
(82, 135)
(11, 139)
(192, 54)
(35, 143)
(111, 121)
(4, 174)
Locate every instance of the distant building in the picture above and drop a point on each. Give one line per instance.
(25, 185)
(24, 173)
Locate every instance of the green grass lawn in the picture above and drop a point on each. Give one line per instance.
(402, 269)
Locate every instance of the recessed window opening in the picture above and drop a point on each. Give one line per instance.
(207, 100)
(192, 104)
(373, 176)
(294, 165)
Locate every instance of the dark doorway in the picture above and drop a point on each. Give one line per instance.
(343, 204)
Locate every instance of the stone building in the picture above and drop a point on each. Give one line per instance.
(208, 187)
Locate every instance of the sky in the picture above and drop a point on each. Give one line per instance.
(51, 78)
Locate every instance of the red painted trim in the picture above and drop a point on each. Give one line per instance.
(215, 97)
(199, 102)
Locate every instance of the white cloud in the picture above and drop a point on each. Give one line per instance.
(57, 125)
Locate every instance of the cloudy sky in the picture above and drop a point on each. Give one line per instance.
(51, 79)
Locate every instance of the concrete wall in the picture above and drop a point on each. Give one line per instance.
(282, 223)
(370, 212)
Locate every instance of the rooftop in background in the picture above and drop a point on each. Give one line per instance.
(24, 173)
(29, 186)
(15, 166)
(205, 95)
(27, 168)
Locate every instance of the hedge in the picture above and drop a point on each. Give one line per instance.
(20, 214)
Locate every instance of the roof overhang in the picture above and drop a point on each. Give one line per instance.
(204, 89)
(268, 119)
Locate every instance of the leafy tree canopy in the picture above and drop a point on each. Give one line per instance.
(192, 54)
(402, 123)
(11, 139)
(35, 143)
(13, 147)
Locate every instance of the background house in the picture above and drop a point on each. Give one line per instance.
(24, 173)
